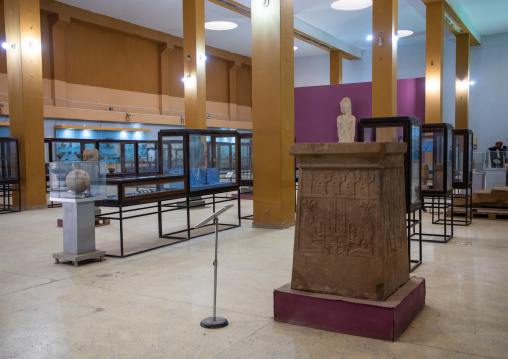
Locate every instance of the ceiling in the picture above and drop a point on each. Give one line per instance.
(488, 17)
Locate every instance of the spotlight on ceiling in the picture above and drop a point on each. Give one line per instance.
(349, 5)
(370, 37)
(295, 48)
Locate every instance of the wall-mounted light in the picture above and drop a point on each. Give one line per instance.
(395, 38)
(6, 45)
(471, 83)
(186, 78)
(380, 42)
(432, 85)
(127, 117)
(1, 106)
(203, 57)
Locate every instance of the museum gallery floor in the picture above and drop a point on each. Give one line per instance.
(150, 305)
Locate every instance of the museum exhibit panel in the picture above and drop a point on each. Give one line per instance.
(78, 185)
(9, 175)
(463, 173)
(407, 130)
(437, 177)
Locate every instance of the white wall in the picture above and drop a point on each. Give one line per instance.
(488, 107)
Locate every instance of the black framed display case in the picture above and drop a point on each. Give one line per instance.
(122, 157)
(462, 158)
(128, 191)
(408, 131)
(9, 174)
(209, 159)
(437, 158)
(246, 157)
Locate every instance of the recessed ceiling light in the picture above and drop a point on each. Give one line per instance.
(404, 33)
(220, 25)
(348, 5)
(295, 48)
(369, 38)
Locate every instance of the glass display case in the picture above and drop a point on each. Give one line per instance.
(246, 156)
(58, 150)
(125, 191)
(462, 158)
(119, 156)
(479, 163)
(437, 159)
(9, 160)
(148, 157)
(496, 159)
(77, 180)
(407, 130)
(209, 159)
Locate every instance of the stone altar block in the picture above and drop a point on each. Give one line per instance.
(350, 236)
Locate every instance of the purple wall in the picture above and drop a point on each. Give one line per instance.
(317, 107)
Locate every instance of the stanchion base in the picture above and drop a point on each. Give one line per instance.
(210, 323)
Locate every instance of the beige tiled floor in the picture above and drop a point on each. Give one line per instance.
(150, 305)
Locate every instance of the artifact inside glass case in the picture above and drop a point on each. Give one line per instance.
(67, 150)
(119, 156)
(246, 156)
(463, 158)
(77, 180)
(408, 130)
(210, 157)
(9, 159)
(496, 159)
(437, 154)
(479, 163)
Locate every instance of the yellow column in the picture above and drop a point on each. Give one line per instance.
(336, 67)
(384, 64)
(434, 62)
(24, 76)
(273, 113)
(194, 63)
(60, 23)
(233, 83)
(462, 82)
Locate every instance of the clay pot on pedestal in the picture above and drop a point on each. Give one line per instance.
(78, 181)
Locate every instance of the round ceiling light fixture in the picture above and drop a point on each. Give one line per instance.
(295, 48)
(404, 33)
(220, 25)
(349, 5)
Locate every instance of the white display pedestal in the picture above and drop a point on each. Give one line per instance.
(495, 177)
(478, 181)
(78, 230)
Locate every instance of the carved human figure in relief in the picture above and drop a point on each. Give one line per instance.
(346, 122)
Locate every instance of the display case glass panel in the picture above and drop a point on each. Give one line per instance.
(462, 158)
(399, 129)
(119, 156)
(496, 159)
(9, 159)
(67, 150)
(148, 157)
(208, 158)
(437, 159)
(246, 156)
(173, 155)
(479, 162)
(137, 190)
(77, 180)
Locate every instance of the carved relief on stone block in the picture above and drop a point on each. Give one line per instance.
(338, 217)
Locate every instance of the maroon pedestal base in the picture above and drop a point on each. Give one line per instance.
(380, 320)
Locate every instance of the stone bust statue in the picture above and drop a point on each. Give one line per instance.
(346, 122)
